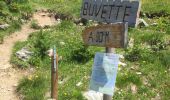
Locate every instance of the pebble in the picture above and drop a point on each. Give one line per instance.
(9, 89)
(79, 84)
(92, 95)
(138, 73)
(134, 89)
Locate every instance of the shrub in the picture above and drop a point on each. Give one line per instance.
(35, 25)
(133, 54)
(81, 54)
(41, 44)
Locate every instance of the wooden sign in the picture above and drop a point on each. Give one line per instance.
(114, 35)
(111, 11)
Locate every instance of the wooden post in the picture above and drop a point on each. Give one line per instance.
(54, 75)
(105, 96)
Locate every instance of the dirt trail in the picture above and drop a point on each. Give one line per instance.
(10, 76)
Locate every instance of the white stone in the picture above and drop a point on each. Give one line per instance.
(92, 95)
(79, 84)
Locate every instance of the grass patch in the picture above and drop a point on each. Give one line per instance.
(147, 61)
(152, 6)
(34, 86)
(34, 24)
(13, 13)
(73, 9)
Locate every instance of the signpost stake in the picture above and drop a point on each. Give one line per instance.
(54, 75)
(105, 96)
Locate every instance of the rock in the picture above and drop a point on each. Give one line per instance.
(63, 81)
(23, 21)
(9, 89)
(81, 24)
(134, 89)
(77, 21)
(24, 54)
(154, 24)
(62, 43)
(79, 84)
(4, 26)
(145, 81)
(43, 15)
(131, 43)
(121, 57)
(133, 68)
(157, 97)
(58, 21)
(138, 73)
(122, 64)
(50, 52)
(15, 85)
(92, 95)
(142, 23)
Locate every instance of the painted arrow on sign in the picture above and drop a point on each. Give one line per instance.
(114, 35)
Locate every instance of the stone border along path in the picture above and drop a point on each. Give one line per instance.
(10, 76)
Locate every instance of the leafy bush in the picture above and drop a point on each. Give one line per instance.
(14, 7)
(82, 54)
(41, 44)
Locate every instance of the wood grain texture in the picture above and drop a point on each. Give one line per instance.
(113, 35)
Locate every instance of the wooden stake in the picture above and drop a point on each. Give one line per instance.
(54, 75)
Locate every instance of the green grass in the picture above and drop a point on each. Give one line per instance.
(153, 6)
(34, 86)
(13, 13)
(34, 24)
(68, 7)
(149, 56)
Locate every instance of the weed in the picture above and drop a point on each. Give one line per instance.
(33, 87)
(41, 44)
(125, 79)
(34, 24)
(11, 12)
(82, 54)
(164, 57)
(134, 54)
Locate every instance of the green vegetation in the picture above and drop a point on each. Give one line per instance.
(156, 6)
(70, 8)
(34, 24)
(148, 64)
(34, 86)
(13, 12)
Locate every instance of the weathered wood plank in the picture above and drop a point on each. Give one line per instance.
(111, 11)
(114, 35)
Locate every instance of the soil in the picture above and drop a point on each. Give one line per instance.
(9, 75)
